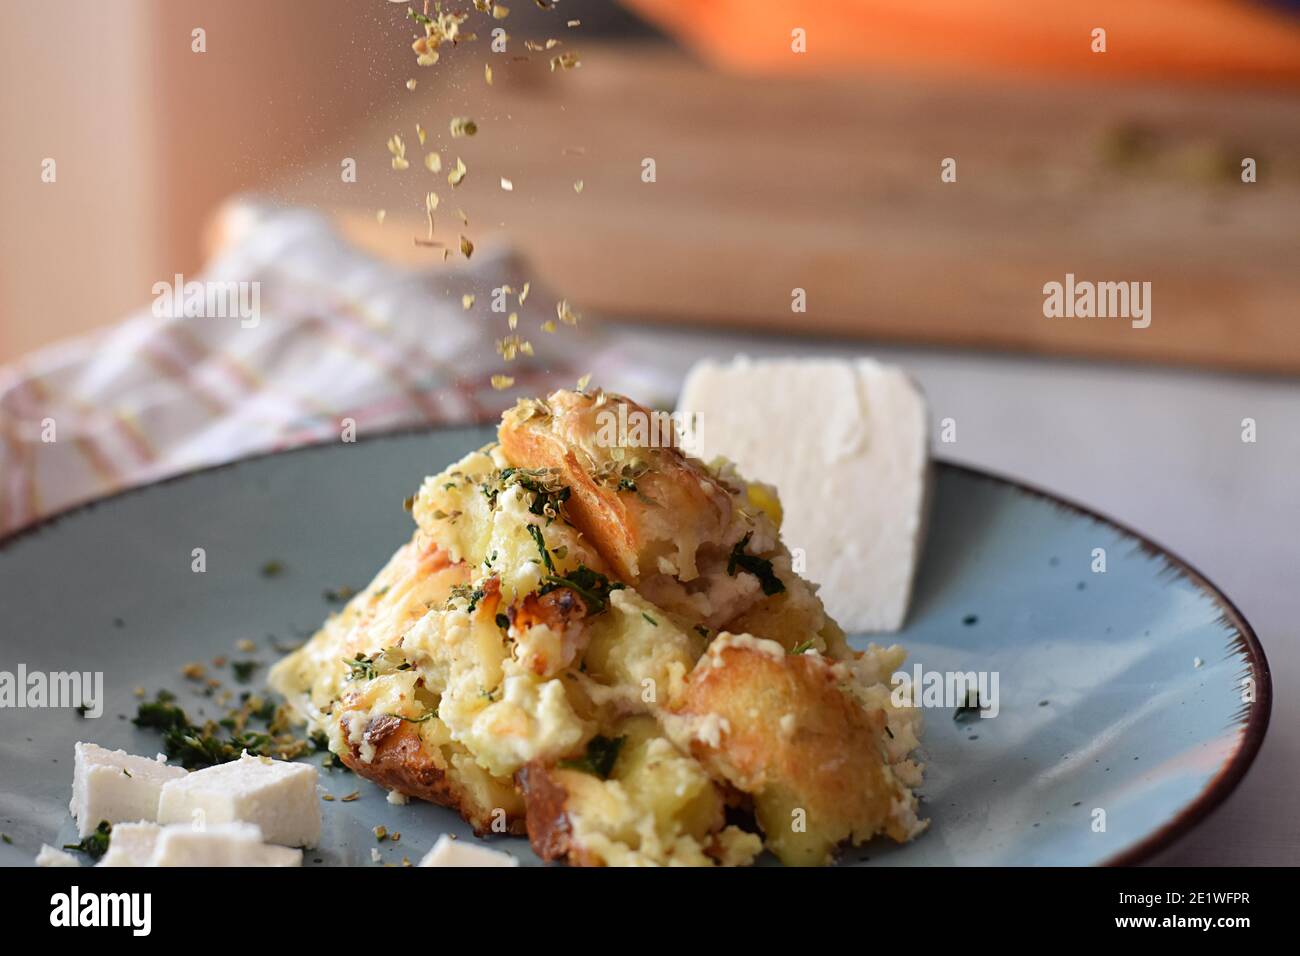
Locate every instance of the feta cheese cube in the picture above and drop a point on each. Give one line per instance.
(52, 856)
(131, 844)
(116, 786)
(846, 444)
(449, 852)
(278, 796)
(221, 844)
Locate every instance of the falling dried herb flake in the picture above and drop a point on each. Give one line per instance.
(565, 314)
(398, 150)
(457, 175)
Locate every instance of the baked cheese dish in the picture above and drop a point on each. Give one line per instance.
(603, 644)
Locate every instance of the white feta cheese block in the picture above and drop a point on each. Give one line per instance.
(220, 844)
(116, 786)
(131, 844)
(278, 796)
(846, 444)
(52, 856)
(449, 852)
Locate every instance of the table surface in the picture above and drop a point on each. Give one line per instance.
(1158, 450)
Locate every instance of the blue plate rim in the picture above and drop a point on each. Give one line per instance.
(1210, 798)
(1247, 643)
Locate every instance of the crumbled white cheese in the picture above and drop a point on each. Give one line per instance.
(449, 852)
(846, 444)
(116, 786)
(278, 796)
(397, 798)
(220, 844)
(760, 645)
(710, 729)
(357, 722)
(51, 856)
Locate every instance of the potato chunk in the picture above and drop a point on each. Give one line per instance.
(657, 807)
(779, 727)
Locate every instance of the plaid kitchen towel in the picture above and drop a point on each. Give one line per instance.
(288, 334)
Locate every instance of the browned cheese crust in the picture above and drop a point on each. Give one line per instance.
(804, 748)
(626, 527)
(405, 763)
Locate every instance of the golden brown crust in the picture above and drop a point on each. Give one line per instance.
(403, 762)
(549, 830)
(628, 528)
(803, 747)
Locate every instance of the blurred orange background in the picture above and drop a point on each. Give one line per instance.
(776, 170)
(1214, 40)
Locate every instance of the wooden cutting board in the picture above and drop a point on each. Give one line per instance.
(832, 185)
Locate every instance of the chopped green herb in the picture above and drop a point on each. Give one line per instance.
(540, 541)
(243, 670)
(601, 755)
(160, 714)
(803, 647)
(761, 568)
(95, 844)
(592, 586)
(361, 668)
(549, 494)
(503, 622)
(652, 621)
(272, 569)
(969, 708)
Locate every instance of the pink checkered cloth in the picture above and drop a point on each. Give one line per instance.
(338, 336)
